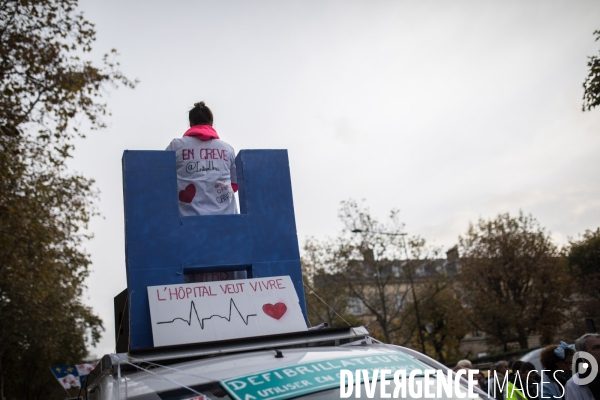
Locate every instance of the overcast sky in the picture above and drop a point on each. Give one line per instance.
(446, 110)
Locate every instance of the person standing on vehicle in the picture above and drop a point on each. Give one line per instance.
(556, 363)
(206, 174)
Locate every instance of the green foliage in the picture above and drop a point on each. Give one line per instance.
(591, 85)
(42, 269)
(583, 259)
(46, 87)
(442, 317)
(513, 279)
(44, 82)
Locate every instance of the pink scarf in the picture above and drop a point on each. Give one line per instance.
(202, 132)
(206, 132)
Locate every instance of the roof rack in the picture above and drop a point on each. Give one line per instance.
(172, 354)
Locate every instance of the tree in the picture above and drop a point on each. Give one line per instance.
(358, 269)
(45, 84)
(512, 279)
(44, 210)
(326, 295)
(591, 85)
(404, 291)
(583, 260)
(41, 275)
(443, 323)
(367, 262)
(363, 267)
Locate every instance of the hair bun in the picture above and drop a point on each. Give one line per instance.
(199, 104)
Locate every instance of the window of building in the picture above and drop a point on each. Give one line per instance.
(355, 306)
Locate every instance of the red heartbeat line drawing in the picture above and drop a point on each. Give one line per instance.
(201, 321)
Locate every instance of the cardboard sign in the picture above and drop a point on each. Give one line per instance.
(210, 311)
(164, 248)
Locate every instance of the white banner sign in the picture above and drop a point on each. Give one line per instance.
(209, 311)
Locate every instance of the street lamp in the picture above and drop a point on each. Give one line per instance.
(410, 279)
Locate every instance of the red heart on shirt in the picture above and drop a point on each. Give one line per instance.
(275, 310)
(187, 195)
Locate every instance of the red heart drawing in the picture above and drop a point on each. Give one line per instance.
(275, 310)
(187, 195)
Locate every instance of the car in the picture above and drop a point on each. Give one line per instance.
(260, 347)
(299, 365)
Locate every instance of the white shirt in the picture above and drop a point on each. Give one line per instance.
(576, 392)
(205, 172)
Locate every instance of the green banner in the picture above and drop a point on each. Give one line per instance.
(310, 377)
